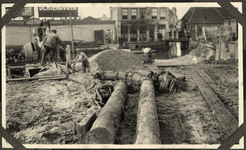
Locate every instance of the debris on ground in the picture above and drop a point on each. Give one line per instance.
(53, 69)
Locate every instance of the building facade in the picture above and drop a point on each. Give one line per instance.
(160, 20)
(209, 22)
(20, 32)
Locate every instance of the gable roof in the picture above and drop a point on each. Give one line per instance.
(188, 14)
(104, 17)
(224, 13)
(205, 15)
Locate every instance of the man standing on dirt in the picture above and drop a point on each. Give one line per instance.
(50, 45)
(81, 57)
(147, 52)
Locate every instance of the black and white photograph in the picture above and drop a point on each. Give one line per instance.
(86, 75)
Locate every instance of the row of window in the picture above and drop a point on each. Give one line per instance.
(143, 11)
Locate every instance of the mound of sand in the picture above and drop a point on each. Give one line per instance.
(200, 54)
(114, 60)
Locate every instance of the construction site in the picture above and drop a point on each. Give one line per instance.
(126, 97)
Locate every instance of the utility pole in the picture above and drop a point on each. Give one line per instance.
(71, 26)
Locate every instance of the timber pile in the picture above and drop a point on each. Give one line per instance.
(114, 60)
(107, 123)
(147, 131)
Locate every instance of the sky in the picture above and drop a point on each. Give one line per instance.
(98, 12)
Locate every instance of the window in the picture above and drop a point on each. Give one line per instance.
(152, 32)
(133, 33)
(162, 13)
(142, 12)
(142, 35)
(134, 13)
(124, 32)
(154, 13)
(124, 13)
(162, 30)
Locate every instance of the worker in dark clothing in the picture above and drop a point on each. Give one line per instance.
(50, 44)
(81, 57)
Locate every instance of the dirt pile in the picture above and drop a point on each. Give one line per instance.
(114, 60)
(201, 53)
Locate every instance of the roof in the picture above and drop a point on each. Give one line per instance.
(91, 20)
(188, 14)
(205, 15)
(104, 17)
(224, 13)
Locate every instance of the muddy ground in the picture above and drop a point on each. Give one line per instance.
(45, 112)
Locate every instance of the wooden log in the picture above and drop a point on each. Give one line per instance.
(107, 123)
(147, 131)
(122, 76)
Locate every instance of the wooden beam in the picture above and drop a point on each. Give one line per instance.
(34, 78)
(228, 122)
(204, 75)
(12, 12)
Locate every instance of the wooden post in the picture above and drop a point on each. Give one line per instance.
(147, 130)
(204, 32)
(71, 26)
(68, 56)
(220, 42)
(107, 123)
(196, 38)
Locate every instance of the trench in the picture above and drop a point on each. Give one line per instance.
(127, 129)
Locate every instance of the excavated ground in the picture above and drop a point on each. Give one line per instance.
(44, 112)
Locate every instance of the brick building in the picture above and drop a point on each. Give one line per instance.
(163, 19)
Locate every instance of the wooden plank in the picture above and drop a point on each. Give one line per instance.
(85, 125)
(204, 75)
(14, 67)
(9, 72)
(227, 121)
(33, 78)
